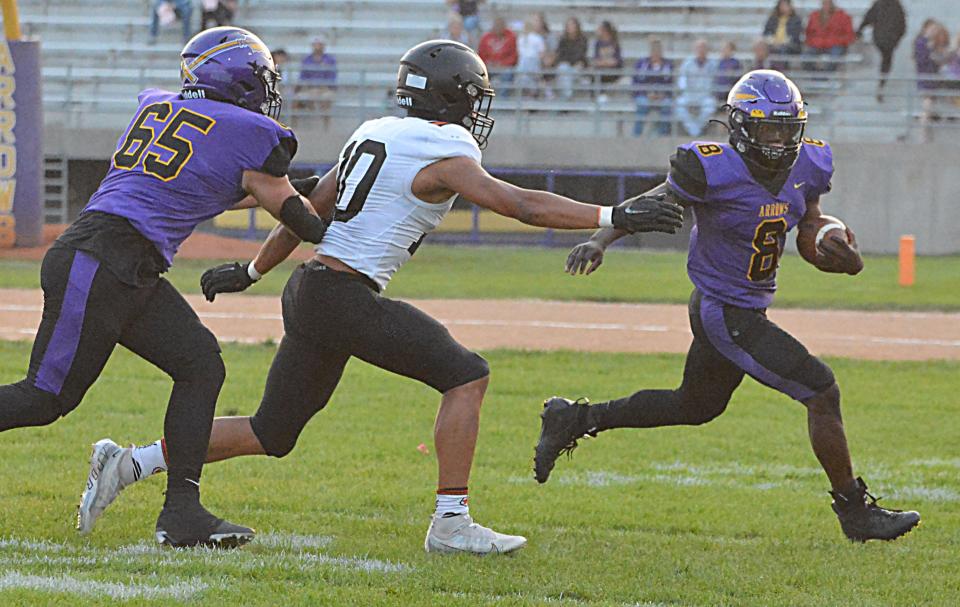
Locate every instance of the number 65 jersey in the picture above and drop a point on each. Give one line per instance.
(741, 225)
(379, 223)
(181, 162)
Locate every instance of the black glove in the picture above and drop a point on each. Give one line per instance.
(306, 185)
(226, 278)
(648, 214)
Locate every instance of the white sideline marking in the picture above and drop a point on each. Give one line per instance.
(293, 541)
(936, 462)
(535, 324)
(549, 324)
(755, 477)
(181, 590)
(295, 550)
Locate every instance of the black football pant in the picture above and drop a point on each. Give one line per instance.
(331, 316)
(728, 343)
(87, 311)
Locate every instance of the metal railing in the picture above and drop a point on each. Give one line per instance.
(602, 103)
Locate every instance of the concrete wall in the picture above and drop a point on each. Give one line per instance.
(882, 191)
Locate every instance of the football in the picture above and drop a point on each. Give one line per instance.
(808, 233)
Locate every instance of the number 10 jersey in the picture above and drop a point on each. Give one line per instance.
(379, 223)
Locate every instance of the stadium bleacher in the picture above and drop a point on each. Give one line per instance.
(97, 55)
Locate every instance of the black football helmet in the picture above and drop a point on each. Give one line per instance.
(447, 81)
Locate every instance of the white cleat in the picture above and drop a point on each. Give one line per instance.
(460, 534)
(103, 483)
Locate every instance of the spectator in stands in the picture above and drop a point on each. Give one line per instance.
(498, 49)
(280, 60)
(167, 11)
(549, 60)
(469, 13)
(728, 70)
(889, 23)
(571, 56)
(784, 29)
(218, 12)
(930, 54)
(653, 78)
(531, 48)
(829, 32)
(455, 30)
(761, 56)
(606, 53)
(695, 83)
(318, 80)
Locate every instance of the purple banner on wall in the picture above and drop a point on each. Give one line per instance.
(21, 139)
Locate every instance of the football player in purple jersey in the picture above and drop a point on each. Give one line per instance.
(745, 195)
(185, 158)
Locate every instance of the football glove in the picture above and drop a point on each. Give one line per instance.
(648, 214)
(227, 278)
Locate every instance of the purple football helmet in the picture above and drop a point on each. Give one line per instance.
(767, 119)
(233, 65)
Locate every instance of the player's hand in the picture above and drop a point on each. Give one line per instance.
(648, 214)
(840, 255)
(226, 278)
(584, 258)
(306, 185)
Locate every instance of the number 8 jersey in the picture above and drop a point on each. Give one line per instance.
(379, 223)
(181, 162)
(741, 227)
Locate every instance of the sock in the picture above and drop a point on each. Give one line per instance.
(452, 502)
(148, 460)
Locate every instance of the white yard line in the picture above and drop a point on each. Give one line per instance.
(64, 584)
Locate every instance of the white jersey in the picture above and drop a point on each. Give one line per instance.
(379, 222)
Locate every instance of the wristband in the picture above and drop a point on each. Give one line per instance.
(605, 217)
(252, 272)
(830, 226)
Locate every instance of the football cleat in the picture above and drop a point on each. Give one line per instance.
(460, 534)
(104, 482)
(862, 519)
(188, 526)
(562, 423)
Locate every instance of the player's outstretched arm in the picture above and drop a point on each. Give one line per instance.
(278, 196)
(466, 177)
(236, 277)
(835, 252)
(586, 257)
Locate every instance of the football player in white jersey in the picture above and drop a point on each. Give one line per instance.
(396, 180)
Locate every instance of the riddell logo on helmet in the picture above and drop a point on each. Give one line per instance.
(404, 101)
(194, 94)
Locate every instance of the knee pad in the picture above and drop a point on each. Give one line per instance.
(700, 409)
(26, 405)
(205, 367)
(277, 440)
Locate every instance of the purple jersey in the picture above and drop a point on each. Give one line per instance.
(181, 162)
(741, 226)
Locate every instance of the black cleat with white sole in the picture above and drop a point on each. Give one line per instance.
(862, 519)
(188, 526)
(562, 423)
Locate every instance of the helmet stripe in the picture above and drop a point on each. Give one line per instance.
(188, 69)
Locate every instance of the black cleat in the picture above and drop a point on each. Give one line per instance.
(562, 423)
(862, 519)
(184, 527)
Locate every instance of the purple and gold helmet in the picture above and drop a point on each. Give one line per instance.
(767, 119)
(233, 65)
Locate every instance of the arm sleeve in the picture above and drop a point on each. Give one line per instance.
(687, 177)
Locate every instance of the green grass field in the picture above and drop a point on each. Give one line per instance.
(732, 513)
(627, 275)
